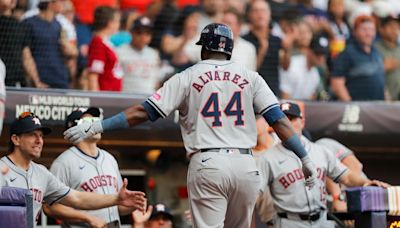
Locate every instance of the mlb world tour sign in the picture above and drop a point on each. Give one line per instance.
(366, 124)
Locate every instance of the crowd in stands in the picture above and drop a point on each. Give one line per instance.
(304, 49)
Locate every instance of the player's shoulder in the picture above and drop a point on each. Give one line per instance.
(107, 155)
(327, 141)
(40, 167)
(272, 154)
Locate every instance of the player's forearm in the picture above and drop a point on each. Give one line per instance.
(30, 66)
(64, 213)
(332, 187)
(290, 139)
(122, 210)
(89, 200)
(352, 179)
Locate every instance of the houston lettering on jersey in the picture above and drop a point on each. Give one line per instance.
(219, 76)
(289, 178)
(100, 181)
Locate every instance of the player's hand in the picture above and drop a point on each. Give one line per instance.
(377, 183)
(83, 131)
(96, 222)
(132, 199)
(309, 171)
(339, 206)
(140, 217)
(3, 171)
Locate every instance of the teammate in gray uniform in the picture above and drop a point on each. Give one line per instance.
(26, 142)
(347, 158)
(296, 205)
(85, 167)
(217, 100)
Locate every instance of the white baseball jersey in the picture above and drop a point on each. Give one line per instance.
(44, 185)
(141, 69)
(91, 174)
(217, 101)
(281, 169)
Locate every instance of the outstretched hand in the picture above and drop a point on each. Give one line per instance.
(377, 183)
(82, 131)
(140, 217)
(309, 171)
(3, 171)
(132, 199)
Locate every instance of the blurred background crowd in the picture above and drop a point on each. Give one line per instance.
(304, 49)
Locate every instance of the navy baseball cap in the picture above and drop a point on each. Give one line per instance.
(161, 209)
(320, 45)
(291, 109)
(142, 23)
(27, 122)
(74, 116)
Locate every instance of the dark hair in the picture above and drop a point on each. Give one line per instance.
(43, 5)
(102, 16)
(235, 12)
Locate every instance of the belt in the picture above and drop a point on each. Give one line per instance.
(306, 217)
(228, 150)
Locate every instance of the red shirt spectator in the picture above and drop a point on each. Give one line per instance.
(84, 9)
(104, 62)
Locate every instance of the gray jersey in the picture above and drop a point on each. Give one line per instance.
(91, 174)
(338, 149)
(282, 171)
(212, 94)
(44, 185)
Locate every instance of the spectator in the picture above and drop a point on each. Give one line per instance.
(212, 11)
(162, 21)
(104, 71)
(389, 48)
(301, 80)
(123, 36)
(157, 216)
(339, 26)
(358, 72)
(180, 40)
(140, 63)
(46, 42)
(244, 52)
(319, 56)
(14, 49)
(267, 45)
(2, 94)
(93, 163)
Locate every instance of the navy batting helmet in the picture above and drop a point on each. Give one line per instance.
(217, 37)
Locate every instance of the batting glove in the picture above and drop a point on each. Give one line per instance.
(83, 131)
(310, 171)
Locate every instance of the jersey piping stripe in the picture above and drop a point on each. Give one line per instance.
(59, 198)
(269, 108)
(337, 178)
(215, 64)
(157, 108)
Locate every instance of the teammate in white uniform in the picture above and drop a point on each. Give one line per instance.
(85, 167)
(217, 101)
(296, 205)
(26, 142)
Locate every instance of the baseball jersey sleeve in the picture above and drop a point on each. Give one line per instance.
(96, 56)
(170, 96)
(339, 150)
(264, 98)
(335, 168)
(56, 190)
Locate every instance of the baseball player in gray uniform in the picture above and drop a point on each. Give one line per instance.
(347, 158)
(296, 205)
(85, 167)
(217, 100)
(26, 142)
